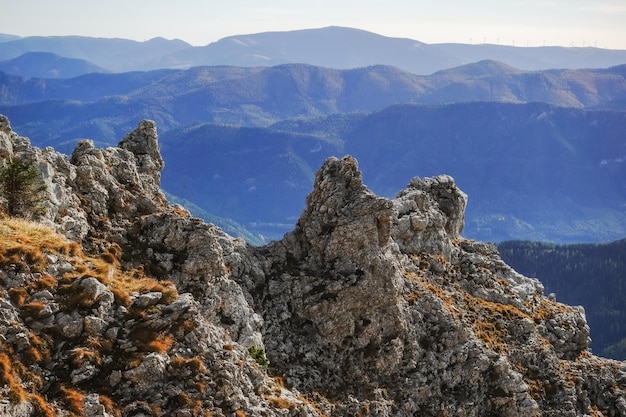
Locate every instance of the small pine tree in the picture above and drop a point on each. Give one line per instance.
(22, 189)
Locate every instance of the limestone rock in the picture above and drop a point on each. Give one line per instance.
(368, 295)
(151, 370)
(370, 306)
(6, 147)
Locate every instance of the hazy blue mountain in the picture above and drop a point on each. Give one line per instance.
(5, 38)
(536, 57)
(531, 171)
(114, 54)
(58, 112)
(85, 88)
(317, 90)
(47, 65)
(494, 81)
(341, 47)
(331, 47)
(226, 224)
(256, 176)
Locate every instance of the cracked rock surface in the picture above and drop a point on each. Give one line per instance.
(117, 303)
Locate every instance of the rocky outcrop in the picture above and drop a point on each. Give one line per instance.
(129, 306)
(394, 311)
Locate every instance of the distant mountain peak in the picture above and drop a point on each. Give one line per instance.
(38, 64)
(480, 68)
(162, 40)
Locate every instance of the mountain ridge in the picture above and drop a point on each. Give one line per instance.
(104, 106)
(126, 305)
(261, 96)
(47, 65)
(349, 48)
(228, 96)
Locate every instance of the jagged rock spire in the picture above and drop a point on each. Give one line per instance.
(342, 215)
(144, 144)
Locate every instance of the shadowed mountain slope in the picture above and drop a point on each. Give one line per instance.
(533, 171)
(591, 275)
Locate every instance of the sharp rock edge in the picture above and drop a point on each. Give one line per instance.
(370, 306)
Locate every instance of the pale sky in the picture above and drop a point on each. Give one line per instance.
(600, 23)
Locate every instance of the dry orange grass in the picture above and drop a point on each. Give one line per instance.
(18, 295)
(184, 326)
(38, 350)
(195, 363)
(44, 282)
(39, 344)
(30, 246)
(8, 378)
(80, 356)
(26, 241)
(280, 402)
(74, 400)
(42, 408)
(162, 344)
(109, 405)
(32, 308)
(505, 310)
(123, 283)
(199, 386)
(279, 381)
(187, 400)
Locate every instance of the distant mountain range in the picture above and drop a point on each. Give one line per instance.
(57, 112)
(541, 153)
(47, 65)
(330, 90)
(330, 47)
(116, 55)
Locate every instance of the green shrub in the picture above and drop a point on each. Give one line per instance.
(258, 354)
(22, 189)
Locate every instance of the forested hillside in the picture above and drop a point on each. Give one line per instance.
(531, 171)
(591, 275)
(102, 107)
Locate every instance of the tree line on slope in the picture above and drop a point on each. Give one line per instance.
(591, 275)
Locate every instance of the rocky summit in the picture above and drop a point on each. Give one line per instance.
(114, 302)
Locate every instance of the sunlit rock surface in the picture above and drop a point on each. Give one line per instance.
(123, 304)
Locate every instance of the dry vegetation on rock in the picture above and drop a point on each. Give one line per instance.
(116, 303)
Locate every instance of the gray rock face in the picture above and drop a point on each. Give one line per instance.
(384, 302)
(96, 191)
(369, 307)
(429, 213)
